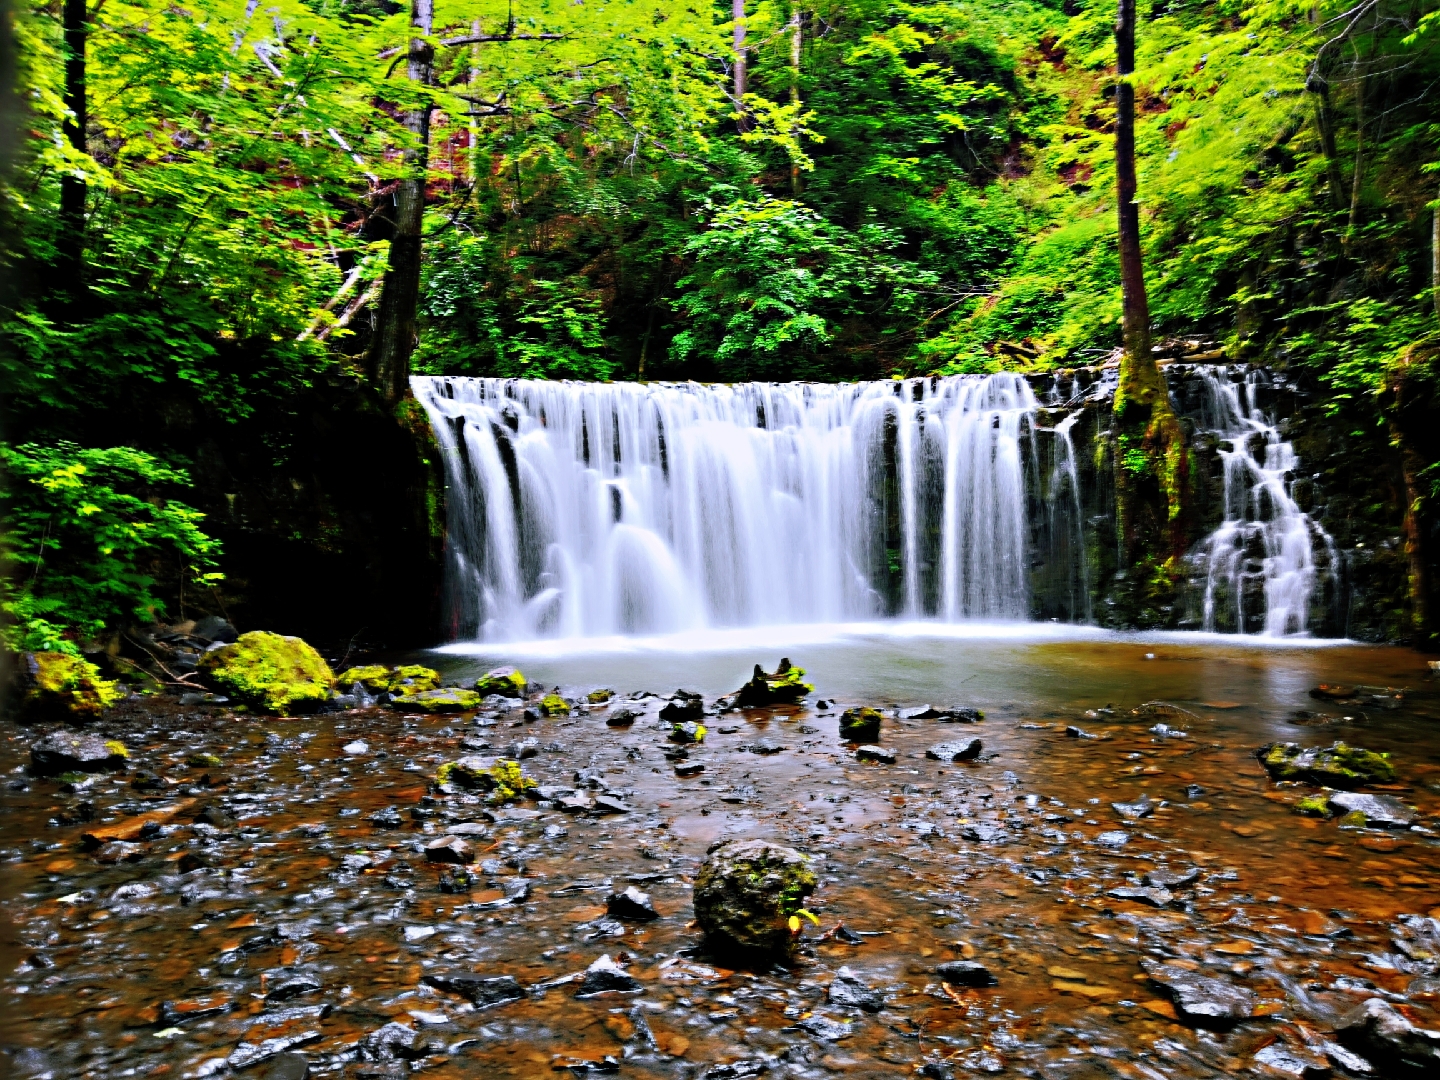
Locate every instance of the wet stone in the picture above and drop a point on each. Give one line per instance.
(1134, 811)
(848, 988)
(825, 1029)
(605, 976)
(1200, 999)
(684, 706)
(1155, 897)
(293, 986)
(482, 991)
(66, 752)
(394, 1040)
(878, 754)
(1114, 838)
(1281, 1060)
(947, 716)
(965, 973)
(1079, 733)
(1383, 1035)
(1381, 811)
(689, 768)
(1172, 879)
(982, 832)
(247, 1053)
(737, 1070)
(631, 904)
(960, 750)
(449, 849)
(622, 717)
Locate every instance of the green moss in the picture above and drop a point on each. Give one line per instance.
(269, 672)
(599, 697)
(1313, 806)
(505, 681)
(1356, 819)
(203, 761)
(375, 678)
(501, 778)
(688, 732)
(117, 748)
(412, 678)
(555, 705)
(860, 725)
(446, 700)
(63, 685)
(1339, 765)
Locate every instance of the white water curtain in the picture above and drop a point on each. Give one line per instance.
(587, 509)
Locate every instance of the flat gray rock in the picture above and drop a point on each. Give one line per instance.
(956, 750)
(1200, 999)
(1381, 811)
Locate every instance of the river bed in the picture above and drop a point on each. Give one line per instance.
(159, 946)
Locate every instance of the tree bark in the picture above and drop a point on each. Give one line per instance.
(1325, 127)
(1152, 479)
(72, 186)
(1408, 418)
(396, 331)
(743, 120)
(1435, 254)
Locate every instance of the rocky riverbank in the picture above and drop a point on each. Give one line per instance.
(1123, 893)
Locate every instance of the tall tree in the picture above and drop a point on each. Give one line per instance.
(743, 121)
(72, 181)
(1152, 461)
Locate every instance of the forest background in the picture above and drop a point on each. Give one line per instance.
(232, 228)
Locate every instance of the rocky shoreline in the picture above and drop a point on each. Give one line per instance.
(573, 879)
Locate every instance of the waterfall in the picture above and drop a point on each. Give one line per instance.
(591, 509)
(1260, 565)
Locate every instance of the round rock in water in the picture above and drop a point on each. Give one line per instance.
(745, 893)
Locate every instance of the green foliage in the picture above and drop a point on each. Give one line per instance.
(89, 534)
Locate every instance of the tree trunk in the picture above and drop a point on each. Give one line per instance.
(1152, 462)
(395, 331)
(1325, 127)
(743, 120)
(796, 40)
(1435, 254)
(72, 187)
(1408, 419)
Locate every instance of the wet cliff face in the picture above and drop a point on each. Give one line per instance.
(1344, 481)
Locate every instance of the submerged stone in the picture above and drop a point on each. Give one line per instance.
(848, 988)
(482, 991)
(947, 716)
(1339, 765)
(745, 893)
(503, 779)
(61, 686)
(860, 725)
(1382, 1033)
(269, 672)
(966, 973)
(450, 699)
(605, 976)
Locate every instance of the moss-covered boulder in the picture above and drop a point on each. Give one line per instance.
(599, 697)
(1314, 806)
(688, 732)
(505, 681)
(554, 705)
(71, 752)
(860, 725)
(784, 687)
(446, 700)
(269, 672)
(58, 686)
(500, 778)
(1339, 766)
(375, 678)
(379, 679)
(746, 893)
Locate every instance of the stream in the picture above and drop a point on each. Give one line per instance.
(275, 912)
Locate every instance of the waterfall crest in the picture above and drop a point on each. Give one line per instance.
(590, 509)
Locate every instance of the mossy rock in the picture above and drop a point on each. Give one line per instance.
(268, 672)
(375, 678)
(554, 705)
(783, 687)
(746, 892)
(65, 753)
(60, 686)
(412, 678)
(446, 700)
(1314, 806)
(860, 725)
(1339, 766)
(501, 778)
(505, 681)
(688, 732)
(203, 761)
(599, 697)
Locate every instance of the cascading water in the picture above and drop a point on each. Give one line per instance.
(589, 509)
(1261, 568)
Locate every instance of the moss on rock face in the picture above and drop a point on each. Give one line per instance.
(501, 778)
(1338, 766)
(375, 678)
(64, 752)
(379, 679)
(784, 687)
(58, 685)
(860, 725)
(269, 672)
(554, 705)
(413, 678)
(599, 697)
(1314, 806)
(505, 681)
(745, 894)
(449, 699)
